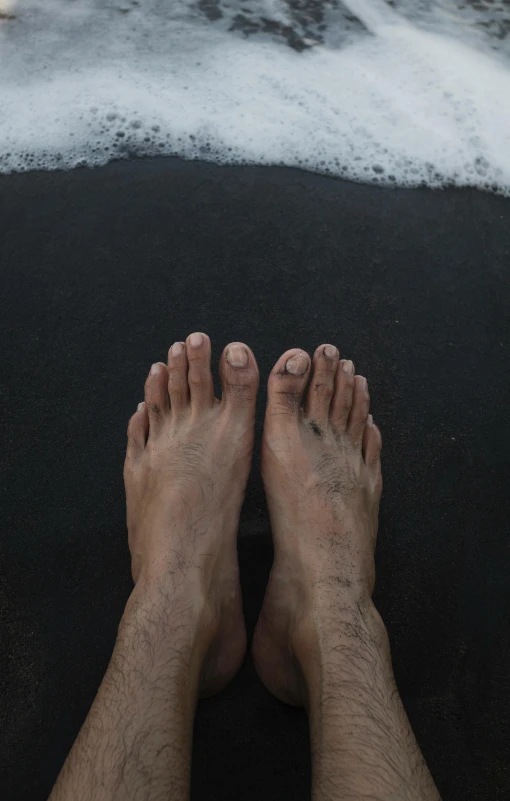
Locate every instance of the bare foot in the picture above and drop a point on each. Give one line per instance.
(322, 473)
(187, 464)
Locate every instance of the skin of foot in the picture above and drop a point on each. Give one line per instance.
(319, 641)
(182, 633)
(187, 464)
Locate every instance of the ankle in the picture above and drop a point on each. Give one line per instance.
(181, 622)
(326, 641)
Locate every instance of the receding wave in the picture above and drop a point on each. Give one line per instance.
(406, 93)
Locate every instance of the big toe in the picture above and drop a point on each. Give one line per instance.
(287, 384)
(239, 378)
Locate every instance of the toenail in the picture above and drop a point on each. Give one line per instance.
(196, 340)
(237, 356)
(363, 382)
(156, 369)
(370, 420)
(177, 348)
(298, 364)
(140, 407)
(348, 367)
(330, 351)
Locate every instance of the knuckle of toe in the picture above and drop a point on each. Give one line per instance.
(195, 378)
(289, 400)
(240, 386)
(201, 356)
(174, 367)
(324, 387)
(345, 404)
(177, 387)
(240, 395)
(347, 385)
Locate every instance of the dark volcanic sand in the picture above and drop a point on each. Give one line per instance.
(101, 271)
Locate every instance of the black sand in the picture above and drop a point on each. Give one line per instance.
(102, 270)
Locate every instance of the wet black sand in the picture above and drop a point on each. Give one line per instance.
(100, 271)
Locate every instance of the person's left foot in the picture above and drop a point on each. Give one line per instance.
(187, 463)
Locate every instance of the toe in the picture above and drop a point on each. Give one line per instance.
(201, 389)
(322, 384)
(342, 397)
(178, 388)
(239, 378)
(138, 430)
(156, 394)
(359, 411)
(287, 383)
(372, 444)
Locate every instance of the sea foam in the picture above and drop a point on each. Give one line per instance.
(408, 94)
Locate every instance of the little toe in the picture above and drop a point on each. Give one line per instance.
(359, 411)
(343, 394)
(372, 444)
(239, 378)
(201, 388)
(178, 387)
(287, 383)
(322, 385)
(156, 394)
(138, 431)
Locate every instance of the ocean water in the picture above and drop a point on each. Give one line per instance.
(404, 92)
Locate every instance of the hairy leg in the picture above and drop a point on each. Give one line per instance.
(319, 641)
(182, 634)
(136, 741)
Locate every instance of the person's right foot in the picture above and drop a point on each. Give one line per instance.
(187, 464)
(322, 473)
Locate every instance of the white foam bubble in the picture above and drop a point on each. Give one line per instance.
(403, 98)
(7, 7)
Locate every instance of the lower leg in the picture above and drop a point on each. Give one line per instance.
(362, 742)
(136, 741)
(319, 640)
